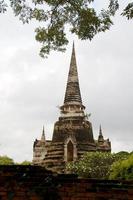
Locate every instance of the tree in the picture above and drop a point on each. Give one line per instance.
(56, 15)
(5, 160)
(122, 169)
(93, 165)
(122, 155)
(25, 162)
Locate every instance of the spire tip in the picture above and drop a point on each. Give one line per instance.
(100, 130)
(43, 134)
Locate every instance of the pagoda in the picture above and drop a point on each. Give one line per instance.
(72, 134)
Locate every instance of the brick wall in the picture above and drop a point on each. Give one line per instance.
(90, 189)
(35, 183)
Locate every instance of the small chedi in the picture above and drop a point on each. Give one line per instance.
(72, 134)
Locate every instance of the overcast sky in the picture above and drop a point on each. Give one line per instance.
(31, 88)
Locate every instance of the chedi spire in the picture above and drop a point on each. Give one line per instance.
(43, 135)
(72, 107)
(73, 132)
(72, 94)
(100, 137)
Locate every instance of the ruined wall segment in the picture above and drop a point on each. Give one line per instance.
(36, 183)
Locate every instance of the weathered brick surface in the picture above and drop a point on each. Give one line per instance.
(35, 183)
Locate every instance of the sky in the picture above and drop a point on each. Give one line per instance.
(32, 88)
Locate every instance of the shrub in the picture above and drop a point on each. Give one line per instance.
(5, 160)
(122, 169)
(92, 165)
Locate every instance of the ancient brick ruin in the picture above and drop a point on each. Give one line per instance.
(36, 183)
(73, 134)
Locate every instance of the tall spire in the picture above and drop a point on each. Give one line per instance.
(72, 107)
(72, 94)
(43, 135)
(100, 130)
(100, 137)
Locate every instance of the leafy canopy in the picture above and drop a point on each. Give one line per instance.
(5, 160)
(55, 15)
(25, 162)
(93, 165)
(122, 169)
(99, 164)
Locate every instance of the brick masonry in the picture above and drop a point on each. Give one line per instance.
(36, 183)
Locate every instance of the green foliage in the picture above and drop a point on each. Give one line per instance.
(93, 165)
(5, 160)
(128, 11)
(82, 18)
(3, 6)
(25, 162)
(122, 169)
(79, 16)
(122, 155)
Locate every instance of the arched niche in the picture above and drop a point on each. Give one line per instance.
(70, 151)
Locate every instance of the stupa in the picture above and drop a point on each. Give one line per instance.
(72, 134)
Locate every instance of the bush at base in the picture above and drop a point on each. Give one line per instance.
(122, 169)
(93, 165)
